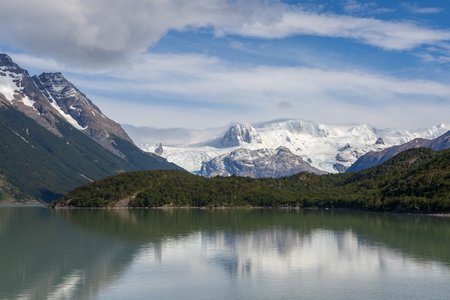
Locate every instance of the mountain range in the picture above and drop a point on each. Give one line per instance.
(260, 163)
(327, 148)
(53, 138)
(416, 180)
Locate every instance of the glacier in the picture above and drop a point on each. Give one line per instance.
(328, 147)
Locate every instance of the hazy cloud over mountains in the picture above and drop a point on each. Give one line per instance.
(206, 63)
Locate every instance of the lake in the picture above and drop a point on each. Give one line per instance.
(222, 254)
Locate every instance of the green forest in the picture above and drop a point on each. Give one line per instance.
(417, 180)
(36, 164)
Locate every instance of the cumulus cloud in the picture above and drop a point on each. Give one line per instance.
(103, 32)
(107, 33)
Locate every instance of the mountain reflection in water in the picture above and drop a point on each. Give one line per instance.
(221, 254)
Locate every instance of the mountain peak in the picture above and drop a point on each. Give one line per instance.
(5, 59)
(8, 65)
(18, 90)
(283, 149)
(49, 97)
(54, 76)
(43, 155)
(379, 141)
(53, 81)
(79, 110)
(258, 163)
(240, 133)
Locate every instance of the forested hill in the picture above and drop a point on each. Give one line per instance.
(414, 180)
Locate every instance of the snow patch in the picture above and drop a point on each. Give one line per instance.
(55, 105)
(9, 87)
(21, 137)
(28, 102)
(323, 145)
(67, 117)
(85, 177)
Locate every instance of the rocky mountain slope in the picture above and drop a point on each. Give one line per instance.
(372, 159)
(327, 147)
(239, 134)
(18, 90)
(260, 163)
(79, 111)
(53, 138)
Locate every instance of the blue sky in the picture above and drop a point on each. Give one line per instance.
(205, 63)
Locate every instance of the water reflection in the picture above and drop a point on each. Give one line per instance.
(230, 254)
(282, 251)
(44, 257)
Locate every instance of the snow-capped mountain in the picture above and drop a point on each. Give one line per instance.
(18, 90)
(79, 111)
(239, 134)
(53, 138)
(49, 97)
(328, 147)
(257, 163)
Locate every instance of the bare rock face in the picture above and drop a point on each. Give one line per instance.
(78, 110)
(240, 134)
(259, 163)
(17, 89)
(339, 167)
(159, 149)
(379, 141)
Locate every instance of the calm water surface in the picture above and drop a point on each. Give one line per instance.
(222, 254)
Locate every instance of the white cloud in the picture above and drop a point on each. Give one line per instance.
(415, 9)
(109, 33)
(102, 32)
(367, 7)
(439, 54)
(102, 44)
(31, 61)
(434, 58)
(209, 92)
(384, 34)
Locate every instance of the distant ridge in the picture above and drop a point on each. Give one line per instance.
(372, 159)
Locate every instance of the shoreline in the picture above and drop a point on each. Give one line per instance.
(340, 209)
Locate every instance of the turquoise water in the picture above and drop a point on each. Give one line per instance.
(221, 254)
